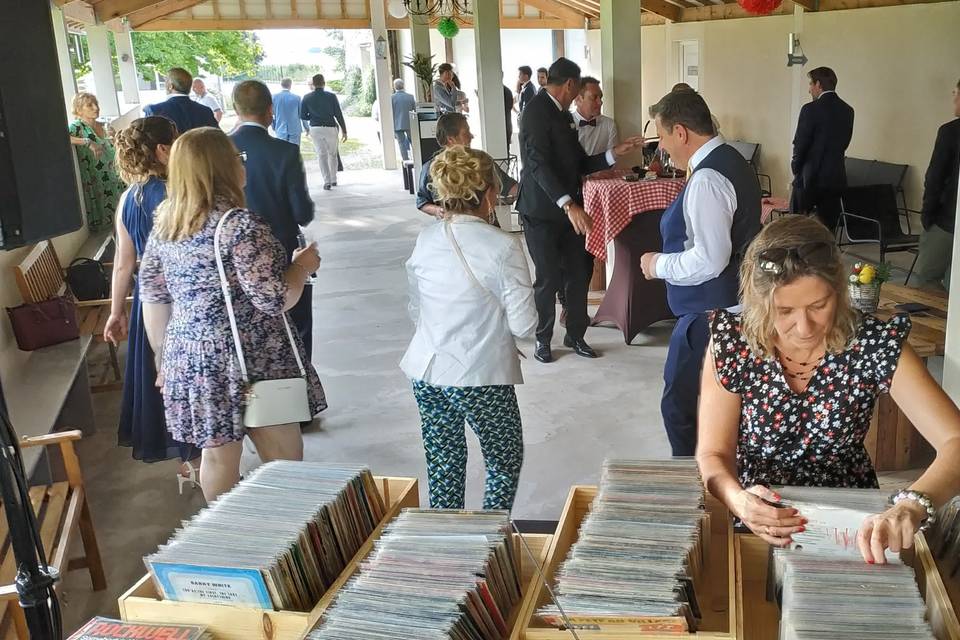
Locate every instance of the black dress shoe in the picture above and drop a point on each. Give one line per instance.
(580, 347)
(543, 353)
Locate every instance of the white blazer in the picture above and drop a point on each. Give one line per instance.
(465, 333)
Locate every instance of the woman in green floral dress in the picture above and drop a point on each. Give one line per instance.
(95, 155)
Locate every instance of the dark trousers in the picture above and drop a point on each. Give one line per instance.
(561, 260)
(681, 382)
(824, 201)
(302, 316)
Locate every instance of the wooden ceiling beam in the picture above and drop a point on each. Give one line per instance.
(663, 9)
(585, 8)
(79, 11)
(557, 10)
(138, 19)
(249, 24)
(809, 5)
(112, 9)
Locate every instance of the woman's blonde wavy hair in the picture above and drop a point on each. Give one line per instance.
(204, 166)
(461, 177)
(137, 148)
(757, 286)
(82, 100)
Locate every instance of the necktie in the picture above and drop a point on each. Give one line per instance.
(588, 123)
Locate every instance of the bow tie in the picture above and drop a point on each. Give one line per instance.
(588, 123)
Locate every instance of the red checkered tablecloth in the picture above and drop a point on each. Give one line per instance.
(612, 202)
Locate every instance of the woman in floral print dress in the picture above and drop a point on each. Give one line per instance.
(789, 387)
(95, 156)
(186, 317)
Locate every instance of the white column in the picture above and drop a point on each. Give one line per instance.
(129, 78)
(620, 60)
(420, 41)
(486, 33)
(951, 356)
(378, 25)
(61, 37)
(98, 40)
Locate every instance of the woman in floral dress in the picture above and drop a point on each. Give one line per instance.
(95, 155)
(789, 387)
(186, 317)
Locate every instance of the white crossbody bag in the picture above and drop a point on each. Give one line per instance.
(267, 402)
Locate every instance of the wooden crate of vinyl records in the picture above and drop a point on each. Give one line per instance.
(717, 592)
(759, 618)
(143, 603)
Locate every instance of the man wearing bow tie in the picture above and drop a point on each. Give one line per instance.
(596, 131)
(551, 203)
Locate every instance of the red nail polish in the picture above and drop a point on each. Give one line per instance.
(869, 561)
(802, 529)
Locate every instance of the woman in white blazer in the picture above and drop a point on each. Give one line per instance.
(470, 297)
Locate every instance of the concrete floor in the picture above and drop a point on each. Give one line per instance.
(575, 411)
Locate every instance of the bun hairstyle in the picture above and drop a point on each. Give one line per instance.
(461, 177)
(136, 148)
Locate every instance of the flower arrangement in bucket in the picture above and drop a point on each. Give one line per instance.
(864, 285)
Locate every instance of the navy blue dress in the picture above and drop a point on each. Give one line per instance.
(142, 424)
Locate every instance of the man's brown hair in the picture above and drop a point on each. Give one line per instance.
(252, 98)
(825, 76)
(687, 108)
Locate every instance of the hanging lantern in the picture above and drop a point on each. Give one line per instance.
(397, 9)
(448, 27)
(759, 7)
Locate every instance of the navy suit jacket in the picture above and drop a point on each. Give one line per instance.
(184, 112)
(276, 183)
(823, 133)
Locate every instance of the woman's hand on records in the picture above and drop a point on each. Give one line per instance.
(893, 529)
(756, 507)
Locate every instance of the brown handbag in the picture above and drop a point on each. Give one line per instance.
(41, 324)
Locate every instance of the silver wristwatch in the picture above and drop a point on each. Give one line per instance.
(920, 498)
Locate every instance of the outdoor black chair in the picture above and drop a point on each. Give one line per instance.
(751, 153)
(861, 173)
(869, 215)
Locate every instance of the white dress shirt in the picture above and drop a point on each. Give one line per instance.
(709, 203)
(611, 159)
(465, 334)
(208, 101)
(598, 138)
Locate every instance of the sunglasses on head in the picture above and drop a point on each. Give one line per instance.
(773, 261)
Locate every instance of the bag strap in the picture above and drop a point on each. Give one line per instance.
(448, 230)
(233, 319)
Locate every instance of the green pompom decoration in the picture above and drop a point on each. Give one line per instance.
(448, 27)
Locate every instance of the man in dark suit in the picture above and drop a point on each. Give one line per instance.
(185, 113)
(526, 90)
(823, 134)
(276, 185)
(939, 211)
(551, 202)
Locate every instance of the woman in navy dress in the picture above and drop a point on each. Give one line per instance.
(143, 149)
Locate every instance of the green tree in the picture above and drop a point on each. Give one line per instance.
(370, 87)
(335, 48)
(228, 52)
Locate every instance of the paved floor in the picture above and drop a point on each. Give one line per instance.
(575, 412)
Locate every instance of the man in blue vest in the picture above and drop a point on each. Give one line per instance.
(705, 234)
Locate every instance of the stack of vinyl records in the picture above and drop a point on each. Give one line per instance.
(277, 540)
(640, 552)
(825, 584)
(433, 575)
(945, 539)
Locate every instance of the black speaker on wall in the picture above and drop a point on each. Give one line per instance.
(38, 184)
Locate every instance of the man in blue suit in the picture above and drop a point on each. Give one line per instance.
(286, 114)
(184, 112)
(276, 186)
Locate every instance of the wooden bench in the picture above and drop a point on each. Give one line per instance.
(40, 277)
(61, 509)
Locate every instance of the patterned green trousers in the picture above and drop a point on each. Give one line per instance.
(493, 414)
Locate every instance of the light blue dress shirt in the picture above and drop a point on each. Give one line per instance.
(286, 116)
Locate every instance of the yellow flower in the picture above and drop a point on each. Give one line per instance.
(867, 275)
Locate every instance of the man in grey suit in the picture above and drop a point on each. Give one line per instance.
(403, 103)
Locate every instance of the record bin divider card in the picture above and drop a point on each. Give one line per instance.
(143, 602)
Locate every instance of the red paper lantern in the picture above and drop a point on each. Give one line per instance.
(759, 7)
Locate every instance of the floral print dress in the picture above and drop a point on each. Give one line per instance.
(101, 184)
(203, 388)
(813, 437)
